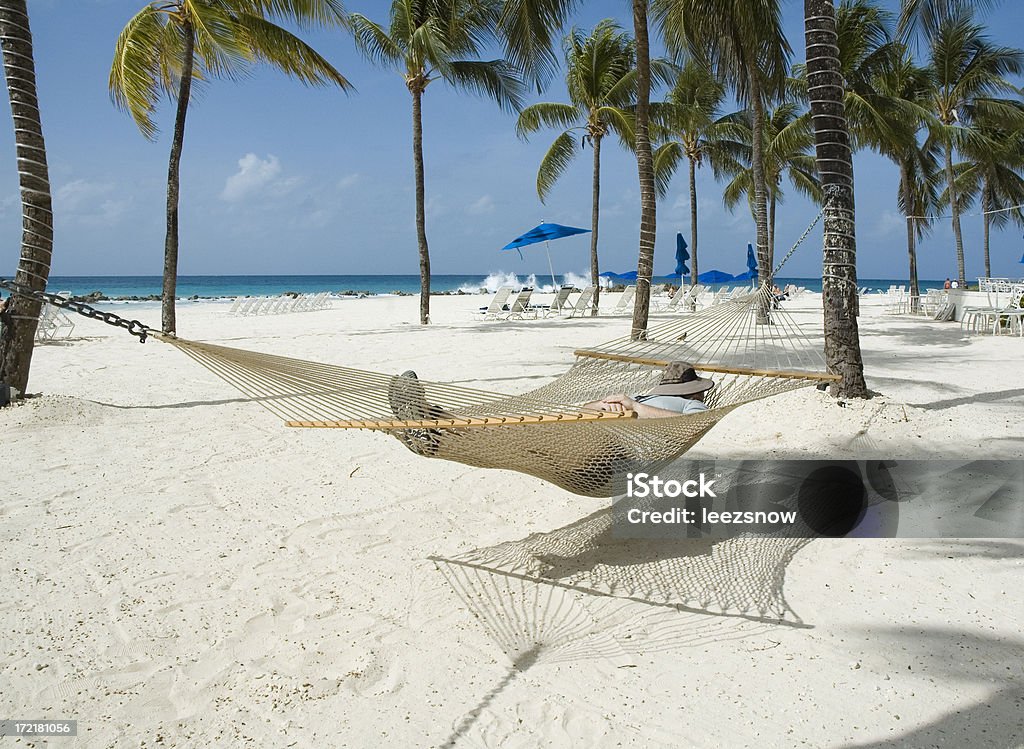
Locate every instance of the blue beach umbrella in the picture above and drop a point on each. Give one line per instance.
(750, 275)
(714, 276)
(544, 233)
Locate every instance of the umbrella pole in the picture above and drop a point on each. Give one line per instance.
(551, 268)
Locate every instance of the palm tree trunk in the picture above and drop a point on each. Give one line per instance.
(771, 233)
(760, 188)
(421, 218)
(834, 157)
(645, 169)
(595, 212)
(908, 201)
(986, 207)
(170, 289)
(955, 212)
(21, 316)
(693, 228)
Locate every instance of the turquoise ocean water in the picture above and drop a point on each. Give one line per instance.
(215, 287)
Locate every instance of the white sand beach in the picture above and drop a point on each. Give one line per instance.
(181, 570)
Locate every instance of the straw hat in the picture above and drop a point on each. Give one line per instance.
(680, 378)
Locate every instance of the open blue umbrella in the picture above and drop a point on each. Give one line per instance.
(544, 233)
(714, 276)
(750, 275)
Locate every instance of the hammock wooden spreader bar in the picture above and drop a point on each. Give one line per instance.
(466, 423)
(792, 374)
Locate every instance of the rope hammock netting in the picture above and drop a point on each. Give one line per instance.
(545, 432)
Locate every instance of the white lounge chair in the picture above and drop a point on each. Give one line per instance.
(625, 303)
(497, 306)
(559, 303)
(520, 307)
(584, 303)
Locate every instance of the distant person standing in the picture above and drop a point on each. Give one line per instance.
(948, 285)
(955, 285)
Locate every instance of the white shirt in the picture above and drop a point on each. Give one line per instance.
(672, 403)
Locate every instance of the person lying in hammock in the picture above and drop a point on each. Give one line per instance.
(680, 391)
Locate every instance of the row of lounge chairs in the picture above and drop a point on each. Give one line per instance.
(508, 304)
(519, 308)
(279, 305)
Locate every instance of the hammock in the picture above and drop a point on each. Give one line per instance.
(749, 349)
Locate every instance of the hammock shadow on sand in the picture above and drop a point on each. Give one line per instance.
(578, 593)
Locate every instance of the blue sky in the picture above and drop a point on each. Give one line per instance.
(282, 179)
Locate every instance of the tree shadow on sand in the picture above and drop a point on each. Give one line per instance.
(951, 656)
(579, 593)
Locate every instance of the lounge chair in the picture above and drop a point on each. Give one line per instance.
(625, 303)
(53, 323)
(559, 303)
(498, 305)
(521, 306)
(584, 303)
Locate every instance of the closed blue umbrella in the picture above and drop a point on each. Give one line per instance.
(681, 256)
(544, 233)
(715, 276)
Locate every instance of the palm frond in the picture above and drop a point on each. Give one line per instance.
(667, 158)
(554, 163)
(547, 114)
(136, 76)
(495, 79)
(374, 42)
(275, 46)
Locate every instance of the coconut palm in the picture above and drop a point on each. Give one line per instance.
(992, 173)
(690, 126)
(788, 141)
(923, 17)
(969, 77)
(743, 42)
(835, 165)
(21, 315)
(427, 41)
(645, 171)
(903, 90)
(601, 79)
(171, 43)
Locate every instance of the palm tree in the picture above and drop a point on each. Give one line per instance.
(788, 141)
(690, 126)
(835, 165)
(170, 43)
(925, 16)
(743, 42)
(426, 41)
(601, 80)
(645, 171)
(902, 89)
(21, 314)
(969, 74)
(992, 172)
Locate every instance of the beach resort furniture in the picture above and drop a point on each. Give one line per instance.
(521, 308)
(53, 323)
(625, 303)
(559, 302)
(584, 303)
(279, 305)
(896, 301)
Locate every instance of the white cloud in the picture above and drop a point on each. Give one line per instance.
(80, 194)
(348, 180)
(90, 203)
(484, 205)
(889, 224)
(254, 176)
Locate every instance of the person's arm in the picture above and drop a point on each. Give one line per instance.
(621, 403)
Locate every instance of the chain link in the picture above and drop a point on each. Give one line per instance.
(134, 327)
